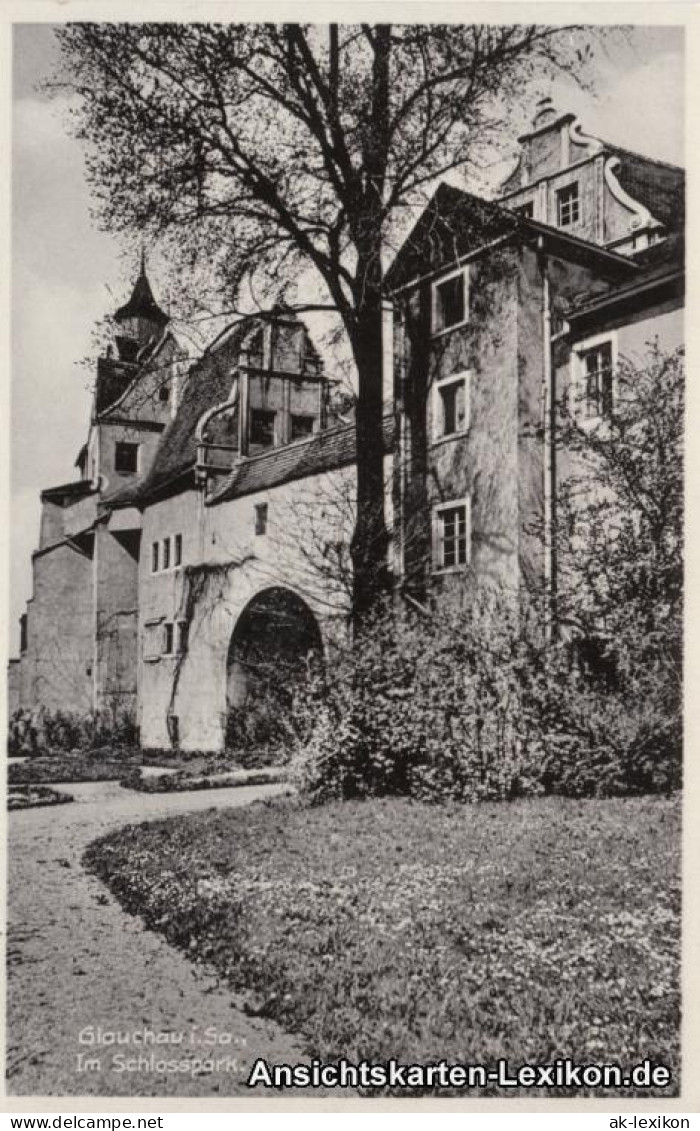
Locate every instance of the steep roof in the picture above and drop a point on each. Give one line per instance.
(455, 224)
(142, 304)
(326, 451)
(660, 267)
(452, 222)
(208, 384)
(660, 187)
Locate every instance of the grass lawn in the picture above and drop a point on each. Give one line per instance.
(531, 930)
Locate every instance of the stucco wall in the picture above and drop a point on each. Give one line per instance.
(51, 525)
(14, 686)
(57, 667)
(530, 469)
(110, 436)
(117, 598)
(225, 565)
(483, 463)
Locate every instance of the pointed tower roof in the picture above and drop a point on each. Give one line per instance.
(142, 304)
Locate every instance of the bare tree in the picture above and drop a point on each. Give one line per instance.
(266, 150)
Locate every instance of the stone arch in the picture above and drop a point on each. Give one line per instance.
(274, 640)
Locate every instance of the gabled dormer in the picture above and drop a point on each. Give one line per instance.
(591, 189)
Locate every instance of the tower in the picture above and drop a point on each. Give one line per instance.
(140, 319)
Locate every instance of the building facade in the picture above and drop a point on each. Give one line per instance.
(206, 539)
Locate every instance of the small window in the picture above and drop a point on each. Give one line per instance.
(182, 636)
(597, 367)
(302, 426)
(262, 428)
(126, 458)
(450, 301)
(261, 518)
(155, 557)
(527, 211)
(177, 550)
(452, 534)
(568, 206)
(166, 553)
(451, 406)
(164, 394)
(167, 639)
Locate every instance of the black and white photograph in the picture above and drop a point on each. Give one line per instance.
(346, 556)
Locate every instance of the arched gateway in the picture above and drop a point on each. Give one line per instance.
(275, 639)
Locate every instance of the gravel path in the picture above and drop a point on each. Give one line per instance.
(78, 964)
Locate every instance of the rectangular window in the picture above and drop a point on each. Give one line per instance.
(168, 639)
(302, 426)
(450, 301)
(182, 635)
(177, 550)
(597, 369)
(262, 428)
(568, 206)
(451, 405)
(126, 458)
(166, 553)
(527, 211)
(261, 518)
(155, 555)
(452, 534)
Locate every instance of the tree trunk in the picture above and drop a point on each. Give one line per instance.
(370, 538)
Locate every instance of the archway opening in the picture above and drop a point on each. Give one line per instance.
(275, 644)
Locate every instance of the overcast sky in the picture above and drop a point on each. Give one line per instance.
(66, 275)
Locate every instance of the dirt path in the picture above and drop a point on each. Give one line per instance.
(78, 964)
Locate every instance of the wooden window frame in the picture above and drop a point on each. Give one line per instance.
(578, 382)
(574, 190)
(439, 537)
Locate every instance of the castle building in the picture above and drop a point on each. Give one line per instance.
(209, 527)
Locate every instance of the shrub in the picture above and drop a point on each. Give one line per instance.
(35, 797)
(44, 732)
(182, 781)
(431, 707)
(473, 704)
